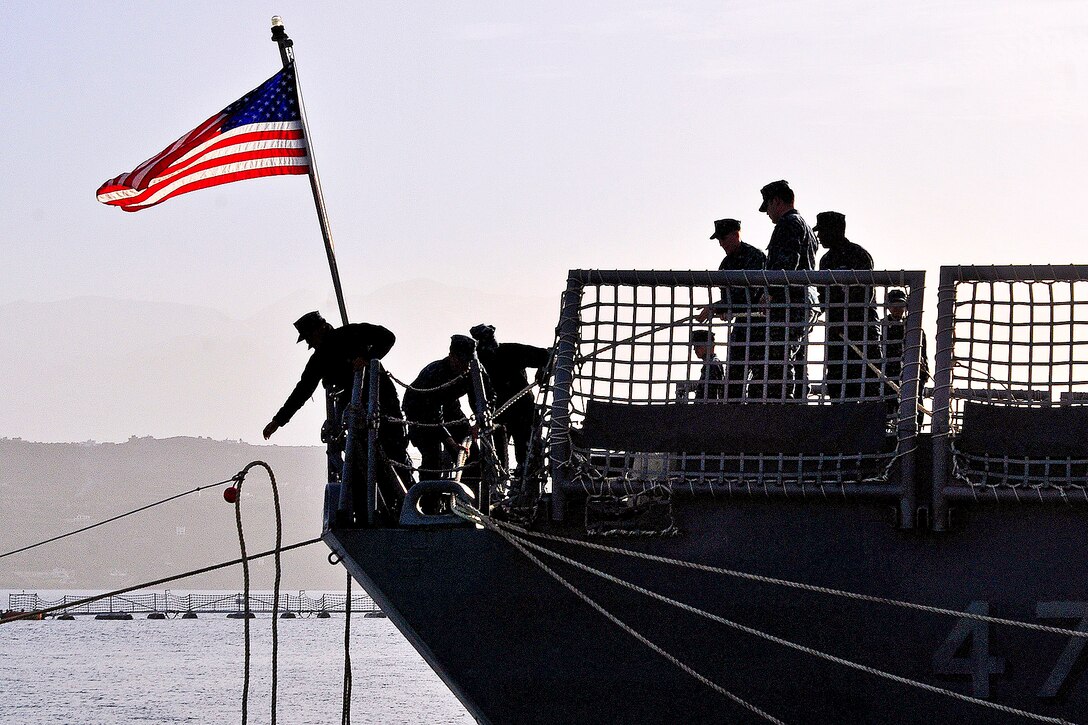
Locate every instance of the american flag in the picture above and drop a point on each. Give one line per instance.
(260, 134)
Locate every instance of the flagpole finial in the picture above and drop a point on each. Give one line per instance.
(279, 35)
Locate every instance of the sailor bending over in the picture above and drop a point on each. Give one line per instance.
(432, 406)
(505, 364)
(338, 352)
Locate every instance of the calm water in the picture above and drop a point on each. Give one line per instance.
(190, 671)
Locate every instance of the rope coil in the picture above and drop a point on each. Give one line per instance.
(238, 480)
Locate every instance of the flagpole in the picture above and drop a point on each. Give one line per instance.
(287, 55)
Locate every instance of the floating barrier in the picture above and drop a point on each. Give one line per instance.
(188, 606)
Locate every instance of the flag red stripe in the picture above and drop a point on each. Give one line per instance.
(153, 166)
(122, 195)
(224, 179)
(168, 173)
(250, 137)
(221, 161)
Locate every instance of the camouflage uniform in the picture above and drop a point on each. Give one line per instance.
(852, 333)
(893, 332)
(792, 247)
(435, 415)
(747, 341)
(711, 382)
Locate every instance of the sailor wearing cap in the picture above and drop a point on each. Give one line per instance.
(792, 247)
(735, 299)
(841, 252)
(892, 335)
(505, 364)
(852, 333)
(711, 382)
(746, 342)
(338, 352)
(432, 405)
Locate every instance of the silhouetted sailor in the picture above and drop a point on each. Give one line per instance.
(852, 332)
(893, 334)
(432, 405)
(747, 341)
(711, 382)
(337, 353)
(841, 252)
(792, 247)
(505, 364)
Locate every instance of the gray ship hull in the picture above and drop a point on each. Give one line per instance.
(517, 647)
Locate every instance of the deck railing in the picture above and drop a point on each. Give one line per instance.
(803, 354)
(1011, 385)
(817, 390)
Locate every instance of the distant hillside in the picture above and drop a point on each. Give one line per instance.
(105, 369)
(50, 488)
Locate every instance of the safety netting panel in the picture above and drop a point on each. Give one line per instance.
(1013, 364)
(743, 380)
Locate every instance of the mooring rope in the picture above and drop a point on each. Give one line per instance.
(345, 715)
(147, 585)
(476, 516)
(115, 518)
(239, 478)
(480, 518)
(518, 530)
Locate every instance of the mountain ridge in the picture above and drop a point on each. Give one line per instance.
(49, 489)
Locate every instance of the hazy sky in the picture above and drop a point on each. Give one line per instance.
(494, 145)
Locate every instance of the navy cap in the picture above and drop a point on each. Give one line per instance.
(830, 221)
(723, 227)
(462, 346)
(482, 332)
(895, 297)
(702, 337)
(773, 190)
(308, 323)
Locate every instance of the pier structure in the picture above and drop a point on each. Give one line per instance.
(158, 605)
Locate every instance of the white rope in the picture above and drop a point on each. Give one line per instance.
(656, 328)
(516, 396)
(798, 585)
(474, 515)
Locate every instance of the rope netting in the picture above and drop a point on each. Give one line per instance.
(734, 380)
(1014, 368)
